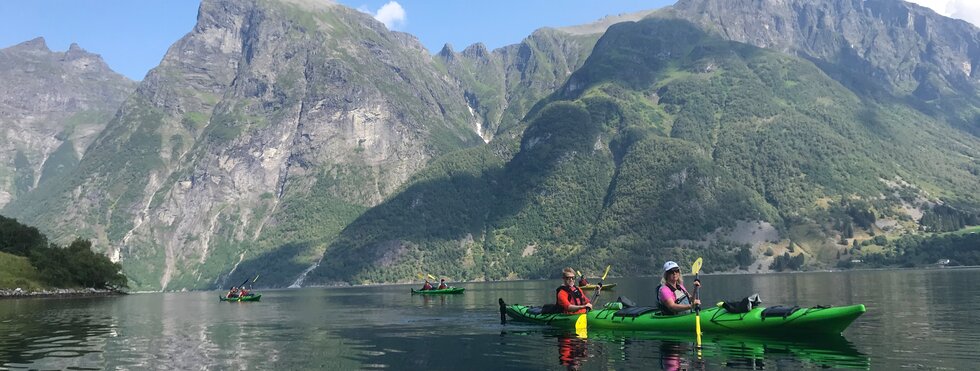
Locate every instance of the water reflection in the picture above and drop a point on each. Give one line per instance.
(677, 352)
(674, 355)
(48, 329)
(387, 327)
(430, 300)
(572, 351)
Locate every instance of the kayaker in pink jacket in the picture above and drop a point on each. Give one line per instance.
(673, 298)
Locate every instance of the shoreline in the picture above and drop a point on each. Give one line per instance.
(58, 293)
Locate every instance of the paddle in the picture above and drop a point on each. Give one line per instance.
(581, 326)
(582, 323)
(598, 286)
(696, 267)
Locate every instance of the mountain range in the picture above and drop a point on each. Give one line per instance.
(306, 142)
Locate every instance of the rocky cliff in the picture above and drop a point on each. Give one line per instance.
(52, 105)
(883, 46)
(265, 117)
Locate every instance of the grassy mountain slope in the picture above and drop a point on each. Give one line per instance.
(661, 143)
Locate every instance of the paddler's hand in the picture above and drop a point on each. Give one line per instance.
(697, 283)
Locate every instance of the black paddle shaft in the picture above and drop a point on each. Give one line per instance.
(503, 311)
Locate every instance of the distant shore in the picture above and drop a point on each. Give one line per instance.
(57, 293)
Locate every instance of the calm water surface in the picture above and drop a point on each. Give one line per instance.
(917, 319)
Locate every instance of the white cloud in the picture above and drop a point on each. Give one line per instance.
(967, 10)
(937, 5)
(392, 15)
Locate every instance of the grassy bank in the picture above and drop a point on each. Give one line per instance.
(18, 272)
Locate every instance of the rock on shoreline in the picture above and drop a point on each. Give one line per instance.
(18, 293)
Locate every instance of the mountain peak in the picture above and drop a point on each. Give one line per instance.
(478, 50)
(447, 52)
(36, 44)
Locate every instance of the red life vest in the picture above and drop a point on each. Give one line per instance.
(575, 297)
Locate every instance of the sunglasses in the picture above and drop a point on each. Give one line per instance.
(675, 270)
(569, 277)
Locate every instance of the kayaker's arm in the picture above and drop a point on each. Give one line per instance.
(677, 307)
(572, 308)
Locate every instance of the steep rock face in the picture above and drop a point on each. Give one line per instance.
(267, 116)
(502, 86)
(906, 48)
(52, 105)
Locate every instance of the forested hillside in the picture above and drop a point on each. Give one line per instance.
(657, 148)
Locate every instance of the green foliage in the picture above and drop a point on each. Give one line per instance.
(919, 250)
(787, 262)
(943, 218)
(24, 173)
(19, 239)
(72, 266)
(60, 162)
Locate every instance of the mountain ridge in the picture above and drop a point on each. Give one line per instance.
(52, 105)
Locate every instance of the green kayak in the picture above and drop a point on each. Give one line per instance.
(450, 290)
(765, 321)
(249, 297)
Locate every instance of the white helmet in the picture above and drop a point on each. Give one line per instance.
(670, 265)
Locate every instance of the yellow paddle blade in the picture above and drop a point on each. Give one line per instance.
(256, 278)
(581, 326)
(578, 273)
(421, 276)
(696, 267)
(607, 272)
(430, 276)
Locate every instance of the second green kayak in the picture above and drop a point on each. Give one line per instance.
(250, 297)
(767, 321)
(451, 290)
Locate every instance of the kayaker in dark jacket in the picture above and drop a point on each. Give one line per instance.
(427, 285)
(672, 297)
(569, 297)
(442, 284)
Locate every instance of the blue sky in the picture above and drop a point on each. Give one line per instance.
(133, 35)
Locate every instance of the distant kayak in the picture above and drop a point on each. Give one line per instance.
(249, 297)
(605, 286)
(773, 321)
(451, 290)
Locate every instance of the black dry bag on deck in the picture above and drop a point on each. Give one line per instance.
(744, 305)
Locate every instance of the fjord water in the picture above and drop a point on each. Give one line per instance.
(915, 319)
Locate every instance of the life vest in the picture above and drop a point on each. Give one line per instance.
(574, 297)
(680, 295)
